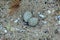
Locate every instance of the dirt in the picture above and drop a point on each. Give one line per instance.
(13, 27)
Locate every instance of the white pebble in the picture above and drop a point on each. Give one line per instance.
(16, 21)
(5, 31)
(41, 15)
(44, 22)
(58, 22)
(49, 11)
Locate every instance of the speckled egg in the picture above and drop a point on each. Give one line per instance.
(33, 21)
(27, 15)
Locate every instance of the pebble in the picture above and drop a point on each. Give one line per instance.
(27, 15)
(1, 27)
(16, 20)
(41, 15)
(49, 12)
(44, 22)
(5, 31)
(59, 22)
(57, 31)
(58, 17)
(33, 21)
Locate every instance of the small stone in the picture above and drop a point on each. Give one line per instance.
(1, 27)
(5, 31)
(49, 11)
(27, 15)
(59, 22)
(33, 21)
(57, 17)
(57, 31)
(44, 22)
(41, 15)
(16, 20)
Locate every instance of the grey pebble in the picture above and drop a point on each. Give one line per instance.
(57, 17)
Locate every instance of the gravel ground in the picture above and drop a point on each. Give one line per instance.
(45, 26)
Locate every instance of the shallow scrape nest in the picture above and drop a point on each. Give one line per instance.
(29, 19)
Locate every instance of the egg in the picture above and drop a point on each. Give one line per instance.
(27, 15)
(33, 21)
